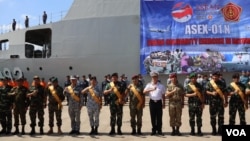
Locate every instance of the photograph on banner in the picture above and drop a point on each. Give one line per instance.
(186, 36)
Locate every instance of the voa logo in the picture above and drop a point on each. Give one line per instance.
(236, 132)
(16, 73)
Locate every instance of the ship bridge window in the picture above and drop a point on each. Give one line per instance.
(4, 45)
(38, 43)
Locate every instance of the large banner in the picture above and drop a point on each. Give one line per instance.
(186, 36)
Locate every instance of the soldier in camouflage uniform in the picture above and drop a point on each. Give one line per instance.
(116, 103)
(5, 107)
(37, 105)
(73, 92)
(21, 103)
(238, 100)
(55, 96)
(136, 104)
(94, 104)
(218, 101)
(195, 96)
(175, 93)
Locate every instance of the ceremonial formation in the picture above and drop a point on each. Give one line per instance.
(22, 101)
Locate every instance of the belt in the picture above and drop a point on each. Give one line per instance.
(155, 101)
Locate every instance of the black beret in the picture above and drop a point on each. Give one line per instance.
(115, 74)
(216, 73)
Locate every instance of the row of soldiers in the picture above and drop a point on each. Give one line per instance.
(19, 98)
(220, 96)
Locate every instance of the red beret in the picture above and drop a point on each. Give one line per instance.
(135, 76)
(172, 75)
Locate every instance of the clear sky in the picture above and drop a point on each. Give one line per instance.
(18, 9)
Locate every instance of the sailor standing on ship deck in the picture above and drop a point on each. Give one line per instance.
(26, 22)
(44, 17)
(14, 25)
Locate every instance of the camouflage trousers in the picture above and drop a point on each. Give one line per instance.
(53, 110)
(136, 117)
(19, 112)
(195, 110)
(39, 112)
(235, 106)
(175, 112)
(74, 114)
(93, 114)
(6, 120)
(116, 112)
(216, 108)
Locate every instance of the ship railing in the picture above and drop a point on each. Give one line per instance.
(33, 21)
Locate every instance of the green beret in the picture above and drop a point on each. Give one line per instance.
(191, 75)
(53, 79)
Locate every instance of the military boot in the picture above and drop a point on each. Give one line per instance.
(23, 130)
(16, 131)
(59, 131)
(139, 131)
(92, 130)
(199, 133)
(96, 130)
(119, 131)
(219, 130)
(112, 132)
(50, 131)
(173, 131)
(8, 131)
(214, 130)
(41, 131)
(133, 131)
(177, 131)
(192, 131)
(32, 132)
(3, 131)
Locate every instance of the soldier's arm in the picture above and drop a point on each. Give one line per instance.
(189, 93)
(169, 93)
(12, 92)
(84, 91)
(107, 90)
(32, 93)
(209, 91)
(127, 90)
(65, 91)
